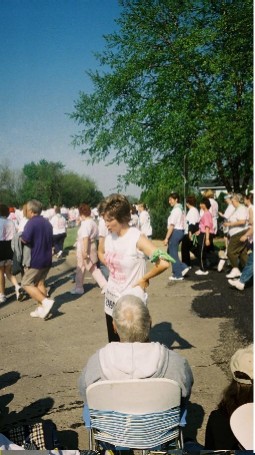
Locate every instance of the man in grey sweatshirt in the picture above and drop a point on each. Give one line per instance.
(134, 357)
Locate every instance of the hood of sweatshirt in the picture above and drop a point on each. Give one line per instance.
(133, 360)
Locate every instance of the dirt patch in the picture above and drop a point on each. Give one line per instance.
(202, 318)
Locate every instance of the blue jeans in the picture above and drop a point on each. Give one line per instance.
(247, 272)
(172, 249)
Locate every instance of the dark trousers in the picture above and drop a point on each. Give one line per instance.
(203, 250)
(112, 336)
(237, 250)
(58, 242)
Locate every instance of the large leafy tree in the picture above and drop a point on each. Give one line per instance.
(43, 182)
(177, 88)
(77, 189)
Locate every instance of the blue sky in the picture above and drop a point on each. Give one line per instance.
(46, 46)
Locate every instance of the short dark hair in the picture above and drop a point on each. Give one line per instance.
(206, 202)
(4, 211)
(174, 196)
(191, 200)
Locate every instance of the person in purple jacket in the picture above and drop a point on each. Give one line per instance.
(38, 235)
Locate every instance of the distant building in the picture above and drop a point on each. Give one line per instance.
(217, 188)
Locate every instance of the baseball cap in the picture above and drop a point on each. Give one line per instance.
(242, 361)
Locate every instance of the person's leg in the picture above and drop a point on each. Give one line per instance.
(33, 282)
(247, 272)
(112, 336)
(235, 249)
(185, 249)
(202, 252)
(173, 251)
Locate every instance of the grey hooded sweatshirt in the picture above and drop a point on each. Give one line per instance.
(118, 361)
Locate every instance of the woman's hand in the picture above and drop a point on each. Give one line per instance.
(143, 283)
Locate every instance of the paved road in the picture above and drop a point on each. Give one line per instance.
(201, 318)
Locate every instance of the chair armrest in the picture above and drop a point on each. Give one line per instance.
(86, 416)
(183, 421)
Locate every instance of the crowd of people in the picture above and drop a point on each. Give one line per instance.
(114, 244)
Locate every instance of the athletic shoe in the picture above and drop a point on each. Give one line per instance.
(77, 291)
(235, 273)
(185, 271)
(37, 313)
(2, 298)
(174, 278)
(47, 304)
(201, 272)
(236, 284)
(43, 310)
(21, 294)
(221, 264)
(59, 254)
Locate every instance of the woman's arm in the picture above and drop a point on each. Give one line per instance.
(101, 250)
(168, 234)
(148, 248)
(85, 247)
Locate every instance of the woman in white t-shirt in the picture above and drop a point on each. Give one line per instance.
(124, 253)
(191, 226)
(238, 225)
(174, 235)
(144, 222)
(87, 257)
(59, 224)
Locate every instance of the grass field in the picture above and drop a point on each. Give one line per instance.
(72, 234)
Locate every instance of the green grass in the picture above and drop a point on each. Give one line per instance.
(70, 238)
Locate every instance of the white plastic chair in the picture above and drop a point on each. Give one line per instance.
(136, 414)
(241, 423)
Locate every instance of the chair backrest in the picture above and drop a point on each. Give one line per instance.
(241, 423)
(139, 414)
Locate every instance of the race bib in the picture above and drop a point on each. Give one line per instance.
(111, 298)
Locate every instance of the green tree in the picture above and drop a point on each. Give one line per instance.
(42, 181)
(179, 87)
(76, 189)
(10, 185)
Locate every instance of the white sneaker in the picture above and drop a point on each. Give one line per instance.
(185, 271)
(47, 304)
(37, 313)
(236, 284)
(221, 264)
(235, 273)
(2, 298)
(77, 291)
(59, 254)
(174, 278)
(201, 272)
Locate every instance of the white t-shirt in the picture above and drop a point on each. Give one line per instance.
(192, 217)
(58, 223)
(176, 218)
(88, 229)
(7, 229)
(126, 265)
(240, 213)
(102, 229)
(145, 223)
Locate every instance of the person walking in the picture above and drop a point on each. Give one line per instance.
(174, 235)
(38, 234)
(124, 254)
(238, 226)
(189, 240)
(87, 257)
(205, 236)
(59, 224)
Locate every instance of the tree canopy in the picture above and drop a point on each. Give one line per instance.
(177, 86)
(48, 182)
